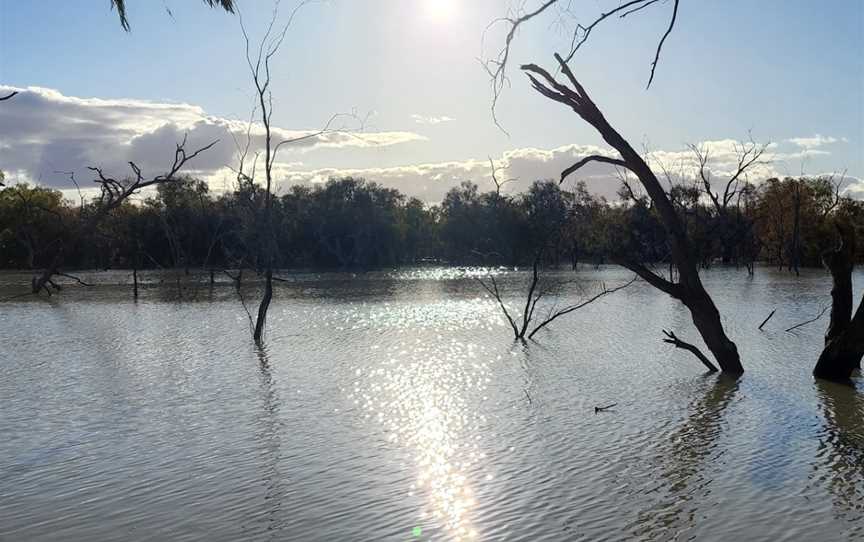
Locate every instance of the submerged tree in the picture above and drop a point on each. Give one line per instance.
(688, 288)
(844, 340)
(258, 62)
(548, 211)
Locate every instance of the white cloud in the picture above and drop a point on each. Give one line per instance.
(430, 181)
(818, 140)
(44, 131)
(421, 119)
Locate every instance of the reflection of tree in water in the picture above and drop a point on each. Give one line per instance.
(269, 438)
(840, 457)
(680, 480)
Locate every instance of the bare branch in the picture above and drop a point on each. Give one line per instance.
(9, 96)
(578, 306)
(498, 184)
(652, 278)
(496, 67)
(818, 316)
(678, 343)
(592, 158)
(660, 45)
(73, 277)
(494, 292)
(765, 321)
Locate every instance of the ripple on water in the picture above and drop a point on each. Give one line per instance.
(395, 406)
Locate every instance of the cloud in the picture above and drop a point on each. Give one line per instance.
(818, 140)
(420, 119)
(43, 131)
(854, 188)
(431, 181)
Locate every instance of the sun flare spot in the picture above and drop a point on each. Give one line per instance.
(440, 11)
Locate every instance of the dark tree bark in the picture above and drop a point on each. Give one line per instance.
(135, 278)
(689, 289)
(261, 320)
(844, 340)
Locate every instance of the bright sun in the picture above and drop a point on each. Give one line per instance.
(440, 10)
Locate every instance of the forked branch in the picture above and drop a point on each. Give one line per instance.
(678, 343)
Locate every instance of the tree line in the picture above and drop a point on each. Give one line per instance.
(352, 223)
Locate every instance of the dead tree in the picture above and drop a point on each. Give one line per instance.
(528, 323)
(844, 340)
(258, 62)
(688, 289)
(113, 193)
(749, 155)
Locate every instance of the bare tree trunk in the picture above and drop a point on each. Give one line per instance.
(135, 279)
(844, 340)
(265, 304)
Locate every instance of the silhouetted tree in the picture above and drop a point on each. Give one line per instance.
(844, 340)
(688, 289)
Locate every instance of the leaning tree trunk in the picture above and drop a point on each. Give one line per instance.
(844, 340)
(264, 306)
(689, 289)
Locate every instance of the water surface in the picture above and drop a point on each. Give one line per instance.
(396, 406)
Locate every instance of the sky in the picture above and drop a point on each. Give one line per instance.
(414, 100)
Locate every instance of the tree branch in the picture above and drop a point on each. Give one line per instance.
(578, 306)
(678, 343)
(591, 158)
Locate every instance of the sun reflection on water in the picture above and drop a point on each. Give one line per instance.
(425, 395)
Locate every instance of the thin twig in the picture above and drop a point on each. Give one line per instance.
(796, 326)
(73, 277)
(765, 321)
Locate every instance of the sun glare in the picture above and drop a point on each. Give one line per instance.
(440, 10)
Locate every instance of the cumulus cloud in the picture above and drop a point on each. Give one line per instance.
(431, 181)
(421, 119)
(43, 131)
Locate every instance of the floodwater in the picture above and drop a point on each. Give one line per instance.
(397, 406)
